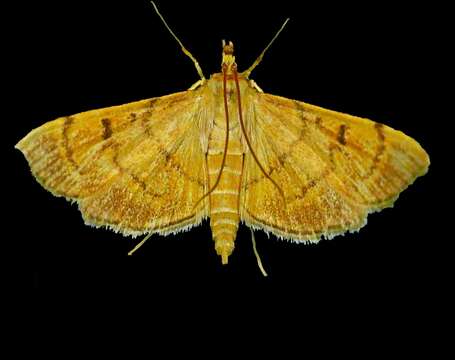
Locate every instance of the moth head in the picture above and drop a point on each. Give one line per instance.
(228, 58)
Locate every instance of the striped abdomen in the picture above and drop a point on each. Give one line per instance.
(224, 200)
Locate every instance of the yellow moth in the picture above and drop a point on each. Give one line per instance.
(227, 151)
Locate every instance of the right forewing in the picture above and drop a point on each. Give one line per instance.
(137, 168)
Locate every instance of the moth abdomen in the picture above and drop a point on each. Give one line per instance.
(224, 202)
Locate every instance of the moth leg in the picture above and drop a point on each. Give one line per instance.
(185, 51)
(255, 86)
(197, 84)
(140, 244)
(258, 258)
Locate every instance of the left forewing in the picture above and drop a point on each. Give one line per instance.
(333, 169)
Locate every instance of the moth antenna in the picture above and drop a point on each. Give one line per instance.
(196, 64)
(259, 59)
(226, 141)
(140, 244)
(242, 125)
(258, 258)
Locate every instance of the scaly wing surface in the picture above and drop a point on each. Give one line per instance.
(136, 168)
(333, 168)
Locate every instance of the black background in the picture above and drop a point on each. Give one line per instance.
(371, 60)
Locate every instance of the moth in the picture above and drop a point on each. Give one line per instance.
(227, 151)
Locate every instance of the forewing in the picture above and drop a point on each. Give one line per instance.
(137, 168)
(333, 169)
